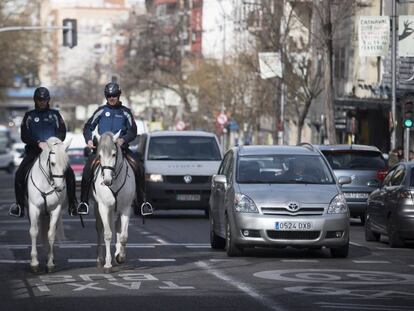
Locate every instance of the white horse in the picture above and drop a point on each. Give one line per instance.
(114, 191)
(46, 196)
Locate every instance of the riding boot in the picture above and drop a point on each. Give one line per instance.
(71, 192)
(87, 179)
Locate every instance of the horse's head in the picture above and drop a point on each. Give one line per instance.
(108, 155)
(57, 161)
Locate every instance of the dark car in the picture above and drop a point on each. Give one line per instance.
(390, 209)
(365, 165)
(77, 161)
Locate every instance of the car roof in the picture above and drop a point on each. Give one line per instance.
(271, 150)
(181, 133)
(347, 147)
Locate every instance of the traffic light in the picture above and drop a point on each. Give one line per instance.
(408, 114)
(70, 32)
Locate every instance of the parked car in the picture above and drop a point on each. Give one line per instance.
(6, 155)
(364, 164)
(76, 154)
(390, 209)
(178, 167)
(278, 196)
(18, 153)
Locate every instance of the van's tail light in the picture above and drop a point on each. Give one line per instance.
(381, 174)
(406, 194)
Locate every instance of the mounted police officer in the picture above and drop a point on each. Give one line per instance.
(111, 117)
(37, 126)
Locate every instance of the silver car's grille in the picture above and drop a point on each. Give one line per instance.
(284, 211)
(293, 235)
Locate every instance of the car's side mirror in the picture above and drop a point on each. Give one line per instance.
(344, 180)
(220, 179)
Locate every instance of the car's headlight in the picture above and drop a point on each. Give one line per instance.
(243, 204)
(338, 205)
(154, 177)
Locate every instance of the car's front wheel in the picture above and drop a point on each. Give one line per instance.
(231, 248)
(340, 252)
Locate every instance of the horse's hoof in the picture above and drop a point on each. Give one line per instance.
(120, 259)
(50, 269)
(107, 270)
(34, 269)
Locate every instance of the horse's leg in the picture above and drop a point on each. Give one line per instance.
(51, 236)
(99, 233)
(34, 214)
(106, 221)
(122, 237)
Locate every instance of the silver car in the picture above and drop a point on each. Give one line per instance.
(278, 196)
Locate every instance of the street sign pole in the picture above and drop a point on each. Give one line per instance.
(393, 74)
(407, 144)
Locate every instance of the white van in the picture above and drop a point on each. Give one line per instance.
(178, 167)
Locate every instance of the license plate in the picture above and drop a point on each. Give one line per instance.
(188, 197)
(356, 195)
(293, 225)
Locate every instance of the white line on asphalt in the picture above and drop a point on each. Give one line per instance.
(370, 261)
(140, 246)
(74, 246)
(393, 249)
(222, 260)
(412, 266)
(145, 232)
(198, 246)
(155, 259)
(299, 260)
(81, 260)
(271, 304)
(14, 261)
(355, 244)
(85, 245)
(360, 306)
(161, 241)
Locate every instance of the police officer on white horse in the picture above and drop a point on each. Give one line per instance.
(37, 126)
(111, 117)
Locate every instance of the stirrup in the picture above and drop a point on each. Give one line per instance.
(82, 212)
(146, 209)
(16, 211)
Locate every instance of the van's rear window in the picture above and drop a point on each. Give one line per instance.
(183, 148)
(355, 159)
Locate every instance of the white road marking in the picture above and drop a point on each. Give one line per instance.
(349, 306)
(14, 261)
(198, 246)
(74, 246)
(245, 288)
(155, 259)
(222, 260)
(172, 285)
(299, 260)
(393, 249)
(81, 260)
(355, 244)
(140, 246)
(370, 261)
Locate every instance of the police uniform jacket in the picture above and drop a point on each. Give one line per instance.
(112, 119)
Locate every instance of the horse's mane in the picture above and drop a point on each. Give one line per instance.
(60, 151)
(106, 143)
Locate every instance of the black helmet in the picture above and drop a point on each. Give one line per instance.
(112, 89)
(41, 93)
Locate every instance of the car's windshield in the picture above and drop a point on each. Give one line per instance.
(183, 148)
(355, 160)
(286, 169)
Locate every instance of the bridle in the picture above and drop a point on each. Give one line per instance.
(49, 177)
(115, 175)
